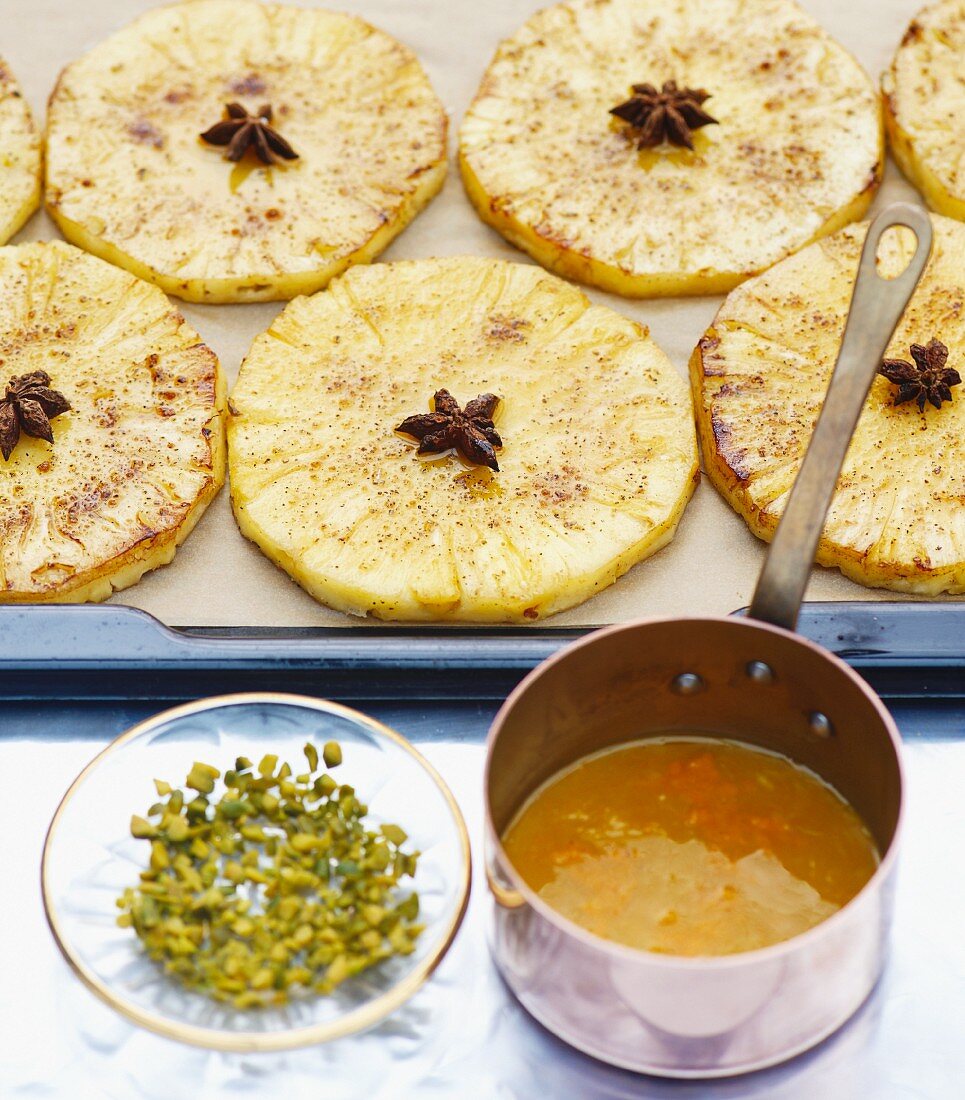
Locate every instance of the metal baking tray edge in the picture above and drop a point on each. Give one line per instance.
(904, 650)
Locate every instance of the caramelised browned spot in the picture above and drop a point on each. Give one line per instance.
(470, 431)
(668, 115)
(240, 131)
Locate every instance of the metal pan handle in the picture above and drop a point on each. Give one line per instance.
(876, 308)
(506, 897)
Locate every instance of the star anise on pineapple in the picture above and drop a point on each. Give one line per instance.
(240, 131)
(926, 379)
(28, 406)
(470, 431)
(672, 114)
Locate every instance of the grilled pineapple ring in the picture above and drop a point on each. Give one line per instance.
(598, 458)
(20, 160)
(759, 377)
(797, 153)
(129, 179)
(139, 455)
(924, 103)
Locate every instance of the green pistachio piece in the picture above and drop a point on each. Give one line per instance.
(176, 828)
(142, 828)
(201, 778)
(394, 835)
(325, 785)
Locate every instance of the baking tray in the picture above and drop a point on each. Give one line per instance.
(71, 677)
(218, 576)
(97, 652)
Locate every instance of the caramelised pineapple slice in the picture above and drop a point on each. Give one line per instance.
(897, 519)
(113, 421)
(592, 436)
(20, 157)
(792, 151)
(130, 178)
(924, 92)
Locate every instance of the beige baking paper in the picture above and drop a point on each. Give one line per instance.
(218, 578)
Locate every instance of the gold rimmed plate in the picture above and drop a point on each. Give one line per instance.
(89, 858)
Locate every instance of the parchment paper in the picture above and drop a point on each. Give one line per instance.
(218, 578)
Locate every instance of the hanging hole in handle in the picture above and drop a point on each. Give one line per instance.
(896, 248)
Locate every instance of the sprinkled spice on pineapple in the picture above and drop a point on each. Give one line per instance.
(457, 439)
(20, 165)
(638, 188)
(760, 374)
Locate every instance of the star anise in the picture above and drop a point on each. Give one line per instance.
(927, 379)
(241, 131)
(28, 406)
(668, 115)
(470, 431)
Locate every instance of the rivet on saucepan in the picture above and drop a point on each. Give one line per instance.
(820, 724)
(760, 672)
(687, 683)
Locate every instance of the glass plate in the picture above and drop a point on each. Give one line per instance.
(90, 857)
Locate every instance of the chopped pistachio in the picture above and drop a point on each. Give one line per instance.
(201, 778)
(235, 807)
(288, 907)
(409, 909)
(324, 786)
(272, 887)
(394, 835)
(176, 828)
(263, 978)
(197, 807)
(234, 872)
(159, 856)
(141, 828)
(199, 849)
(303, 842)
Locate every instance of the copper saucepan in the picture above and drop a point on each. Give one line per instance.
(750, 679)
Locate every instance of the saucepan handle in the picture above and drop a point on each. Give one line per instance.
(506, 897)
(876, 308)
